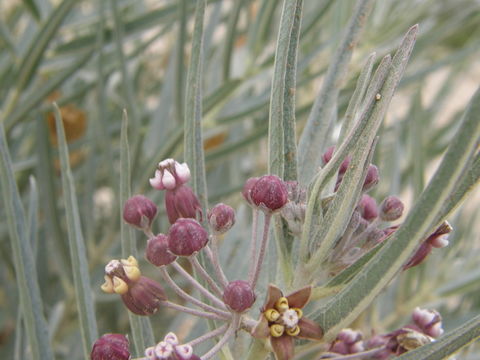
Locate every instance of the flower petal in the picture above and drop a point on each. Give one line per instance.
(283, 347)
(299, 298)
(261, 330)
(273, 294)
(309, 330)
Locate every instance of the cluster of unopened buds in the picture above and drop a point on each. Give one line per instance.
(424, 328)
(228, 301)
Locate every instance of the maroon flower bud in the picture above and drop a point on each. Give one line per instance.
(182, 203)
(186, 237)
(111, 347)
(269, 193)
(139, 211)
(368, 207)
(239, 295)
(419, 255)
(371, 179)
(157, 251)
(144, 297)
(348, 342)
(391, 208)
(221, 218)
(327, 155)
(247, 189)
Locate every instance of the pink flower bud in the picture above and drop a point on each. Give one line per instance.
(111, 347)
(429, 321)
(368, 207)
(182, 203)
(247, 188)
(170, 175)
(157, 251)
(186, 237)
(139, 211)
(221, 218)
(144, 297)
(371, 179)
(239, 295)
(269, 193)
(391, 208)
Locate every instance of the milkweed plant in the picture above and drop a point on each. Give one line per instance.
(268, 192)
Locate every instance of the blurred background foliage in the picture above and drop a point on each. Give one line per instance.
(95, 58)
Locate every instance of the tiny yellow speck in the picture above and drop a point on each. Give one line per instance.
(378, 96)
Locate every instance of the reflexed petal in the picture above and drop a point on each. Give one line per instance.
(261, 330)
(283, 347)
(273, 294)
(299, 298)
(309, 330)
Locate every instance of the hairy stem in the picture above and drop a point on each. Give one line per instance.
(208, 335)
(261, 256)
(227, 336)
(198, 286)
(194, 312)
(203, 273)
(253, 244)
(180, 292)
(212, 254)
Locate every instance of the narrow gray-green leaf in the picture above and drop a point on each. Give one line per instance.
(343, 204)
(39, 44)
(275, 123)
(180, 64)
(342, 309)
(193, 141)
(33, 8)
(78, 253)
(448, 344)
(289, 123)
(314, 136)
(140, 326)
(26, 275)
(230, 38)
(127, 85)
(33, 215)
(366, 119)
(357, 97)
(34, 97)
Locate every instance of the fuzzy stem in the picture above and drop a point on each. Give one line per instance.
(198, 286)
(357, 356)
(190, 298)
(227, 336)
(203, 273)
(148, 232)
(212, 254)
(190, 311)
(261, 255)
(253, 244)
(208, 335)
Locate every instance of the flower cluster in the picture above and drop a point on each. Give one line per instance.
(425, 327)
(282, 319)
(141, 295)
(170, 349)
